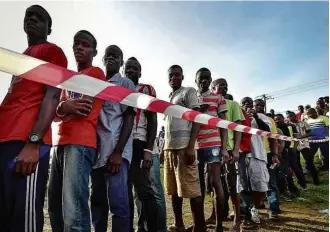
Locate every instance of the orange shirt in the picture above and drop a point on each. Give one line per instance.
(82, 130)
(19, 110)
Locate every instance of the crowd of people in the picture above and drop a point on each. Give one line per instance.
(116, 148)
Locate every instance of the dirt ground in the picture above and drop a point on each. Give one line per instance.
(301, 215)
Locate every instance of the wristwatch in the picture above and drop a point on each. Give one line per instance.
(35, 138)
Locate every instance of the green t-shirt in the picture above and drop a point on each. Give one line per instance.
(234, 114)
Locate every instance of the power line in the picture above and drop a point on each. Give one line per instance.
(321, 83)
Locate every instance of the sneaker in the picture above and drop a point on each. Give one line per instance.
(255, 215)
(272, 215)
(304, 188)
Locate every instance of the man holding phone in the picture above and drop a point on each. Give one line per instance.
(212, 142)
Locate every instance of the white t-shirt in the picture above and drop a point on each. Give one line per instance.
(257, 142)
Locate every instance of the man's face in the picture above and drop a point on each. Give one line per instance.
(132, 70)
(203, 80)
(36, 23)
(301, 109)
(311, 113)
(279, 120)
(320, 103)
(175, 78)
(259, 106)
(83, 48)
(290, 117)
(220, 87)
(247, 104)
(113, 59)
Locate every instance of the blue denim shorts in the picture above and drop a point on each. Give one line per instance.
(210, 154)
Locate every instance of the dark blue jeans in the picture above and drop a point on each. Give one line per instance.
(160, 198)
(22, 197)
(108, 189)
(68, 190)
(273, 194)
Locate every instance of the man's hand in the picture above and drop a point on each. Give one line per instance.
(225, 156)
(276, 161)
(190, 155)
(147, 160)
(76, 107)
(114, 162)
(252, 113)
(27, 160)
(203, 108)
(235, 155)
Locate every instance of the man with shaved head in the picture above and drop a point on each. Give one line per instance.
(25, 136)
(115, 141)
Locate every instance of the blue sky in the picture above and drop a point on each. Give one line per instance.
(259, 47)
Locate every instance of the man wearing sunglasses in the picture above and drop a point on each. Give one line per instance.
(181, 171)
(110, 176)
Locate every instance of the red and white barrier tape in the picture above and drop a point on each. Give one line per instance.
(40, 71)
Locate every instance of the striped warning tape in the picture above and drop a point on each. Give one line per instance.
(33, 69)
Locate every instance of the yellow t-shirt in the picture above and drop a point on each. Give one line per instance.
(273, 130)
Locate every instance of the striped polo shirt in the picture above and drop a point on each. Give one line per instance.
(209, 136)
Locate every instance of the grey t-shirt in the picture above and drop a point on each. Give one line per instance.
(178, 131)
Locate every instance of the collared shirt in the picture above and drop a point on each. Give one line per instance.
(178, 131)
(140, 122)
(110, 123)
(209, 136)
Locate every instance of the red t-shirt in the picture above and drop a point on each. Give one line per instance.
(298, 115)
(19, 110)
(82, 130)
(245, 145)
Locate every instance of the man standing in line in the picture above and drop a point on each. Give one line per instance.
(144, 133)
(255, 168)
(212, 144)
(75, 151)
(300, 113)
(319, 125)
(110, 176)
(26, 114)
(290, 158)
(180, 164)
(271, 145)
(304, 130)
(234, 114)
